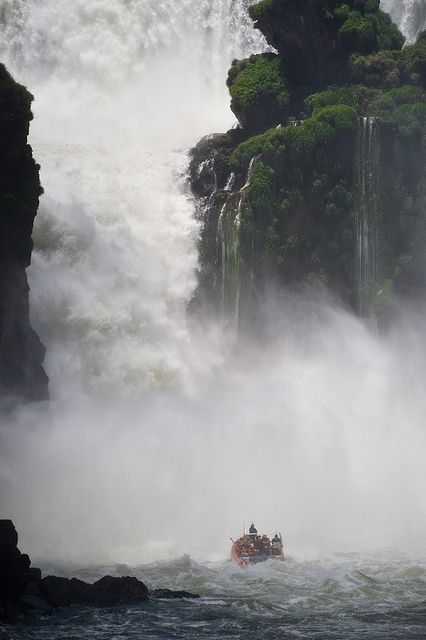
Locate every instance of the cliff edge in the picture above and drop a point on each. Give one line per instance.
(21, 352)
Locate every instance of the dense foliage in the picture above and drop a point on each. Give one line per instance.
(316, 38)
(294, 161)
(259, 95)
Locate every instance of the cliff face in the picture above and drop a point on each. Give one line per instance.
(325, 179)
(21, 352)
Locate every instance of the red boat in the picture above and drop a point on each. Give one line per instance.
(252, 548)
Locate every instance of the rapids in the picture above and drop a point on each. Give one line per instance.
(162, 435)
(334, 599)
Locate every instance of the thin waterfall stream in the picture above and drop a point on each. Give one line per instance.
(367, 207)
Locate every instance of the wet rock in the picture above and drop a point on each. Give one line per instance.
(23, 590)
(108, 591)
(21, 352)
(15, 571)
(63, 592)
(209, 169)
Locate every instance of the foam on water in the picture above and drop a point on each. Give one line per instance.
(337, 598)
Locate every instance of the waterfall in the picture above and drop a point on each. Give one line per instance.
(410, 15)
(122, 90)
(367, 207)
(228, 239)
(228, 235)
(142, 463)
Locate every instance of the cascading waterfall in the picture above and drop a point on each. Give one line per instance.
(322, 430)
(116, 215)
(410, 15)
(228, 234)
(367, 207)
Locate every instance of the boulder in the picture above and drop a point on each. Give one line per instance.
(23, 589)
(14, 566)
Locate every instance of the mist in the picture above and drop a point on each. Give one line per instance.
(319, 433)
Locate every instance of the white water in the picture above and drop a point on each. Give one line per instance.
(123, 90)
(410, 15)
(159, 440)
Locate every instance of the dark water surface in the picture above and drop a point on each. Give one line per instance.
(342, 597)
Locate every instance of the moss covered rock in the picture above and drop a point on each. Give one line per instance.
(317, 38)
(390, 69)
(259, 95)
(301, 194)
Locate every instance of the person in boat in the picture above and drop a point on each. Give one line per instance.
(277, 545)
(259, 546)
(267, 546)
(253, 530)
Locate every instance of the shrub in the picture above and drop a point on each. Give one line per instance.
(259, 95)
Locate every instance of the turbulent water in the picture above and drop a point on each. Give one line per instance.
(163, 436)
(336, 598)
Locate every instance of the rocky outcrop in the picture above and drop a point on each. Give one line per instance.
(108, 591)
(260, 98)
(324, 182)
(316, 39)
(21, 352)
(16, 575)
(22, 588)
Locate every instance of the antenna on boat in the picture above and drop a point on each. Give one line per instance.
(244, 529)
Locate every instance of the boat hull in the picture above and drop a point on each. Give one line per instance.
(245, 561)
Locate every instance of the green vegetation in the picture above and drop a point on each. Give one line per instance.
(354, 27)
(389, 69)
(299, 199)
(260, 189)
(321, 128)
(358, 97)
(367, 32)
(259, 95)
(338, 63)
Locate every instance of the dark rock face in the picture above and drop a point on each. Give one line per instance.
(15, 572)
(21, 352)
(316, 38)
(334, 195)
(23, 589)
(108, 591)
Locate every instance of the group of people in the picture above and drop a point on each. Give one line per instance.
(253, 544)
